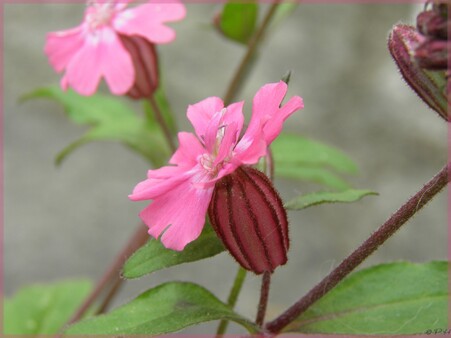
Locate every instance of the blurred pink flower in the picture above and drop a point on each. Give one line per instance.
(94, 49)
(182, 191)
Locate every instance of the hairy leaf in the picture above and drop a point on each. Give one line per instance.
(169, 307)
(291, 149)
(315, 174)
(110, 119)
(345, 196)
(238, 20)
(154, 256)
(394, 298)
(300, 158)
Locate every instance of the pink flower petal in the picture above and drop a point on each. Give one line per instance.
(228, 143)
(60, 47)
(117, 65)
(188, 151)
(201, 113)
(165, 172)
(266, 121)
(147, 20)
(273, 127)
(214, 128)
(235, 114)
(159, 182)
(101, 55)
(249, 151)
(83, 72)
(121, 4)
(265, 106)
(180, 213)
(208, 115)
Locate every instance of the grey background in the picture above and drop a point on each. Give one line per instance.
(71, 221)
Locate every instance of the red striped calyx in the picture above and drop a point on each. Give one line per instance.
(145, 63)
(248, 216)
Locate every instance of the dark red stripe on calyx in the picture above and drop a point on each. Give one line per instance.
(264, 262)
(276, 207)
(248, 216)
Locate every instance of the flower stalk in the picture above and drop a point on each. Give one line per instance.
(160, 120)
(243, 67)
(400, 217)
(264, 295)
(233, 297)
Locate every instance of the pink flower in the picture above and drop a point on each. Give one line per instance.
(94, 49)
(181, 192)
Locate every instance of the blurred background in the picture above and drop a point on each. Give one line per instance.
(70, 221)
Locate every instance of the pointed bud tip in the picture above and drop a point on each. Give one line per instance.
(286, 78)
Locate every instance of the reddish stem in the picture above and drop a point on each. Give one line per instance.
(264, 294)
(410, 208)
(109, 297)
(250, 52)
(112, 275)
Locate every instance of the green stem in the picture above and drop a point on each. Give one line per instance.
(233, 297)
(161, 121)
(251, 49)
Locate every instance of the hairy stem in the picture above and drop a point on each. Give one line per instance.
(160, 119)
(232, 89)
(109, 297)
(264, 294)
(112, 274)
(233, 297)
(250, 52)
(400, 217)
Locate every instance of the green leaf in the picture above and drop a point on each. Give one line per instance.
(315, 174)
(316, 198)
(394, 298)
(110, 119)
(238, 20)
(154, 256)
(166, 308)
(300, 158)
(291, 149)
(283, 11)
(43, 309)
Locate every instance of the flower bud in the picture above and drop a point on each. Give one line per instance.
(145, 62)
(248, 216)
(432, 23)
(430, 86)
(433, 54)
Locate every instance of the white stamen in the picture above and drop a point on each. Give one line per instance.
(208, 160)
(100, 14)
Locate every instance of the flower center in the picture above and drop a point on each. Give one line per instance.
(208, 160)
(99, 13)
